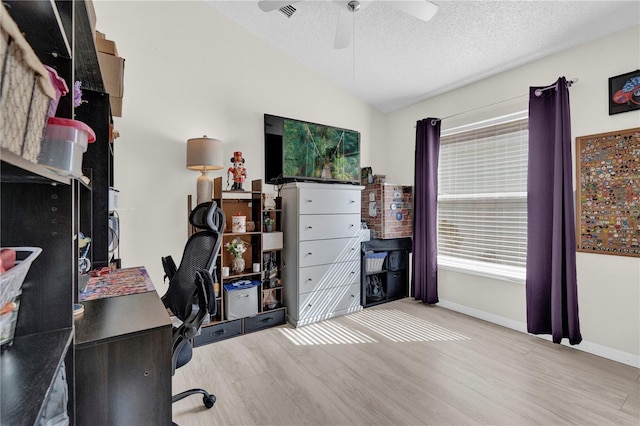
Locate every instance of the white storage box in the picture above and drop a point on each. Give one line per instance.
(241, 299)
(271, 241)
(65, 141)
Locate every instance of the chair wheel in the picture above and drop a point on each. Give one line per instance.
(209, 400)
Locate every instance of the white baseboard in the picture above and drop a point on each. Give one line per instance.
(585, 346)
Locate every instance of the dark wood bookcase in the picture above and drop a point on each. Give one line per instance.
(42, 209)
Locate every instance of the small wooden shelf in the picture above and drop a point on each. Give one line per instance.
(16, 169)
(278, 287)
(28, 369)
(246, 273)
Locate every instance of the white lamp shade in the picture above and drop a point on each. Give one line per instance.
(204, 154)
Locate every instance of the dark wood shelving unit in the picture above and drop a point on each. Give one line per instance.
(43, 209)
(248, 203)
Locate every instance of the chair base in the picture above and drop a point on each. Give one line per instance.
(207, 399)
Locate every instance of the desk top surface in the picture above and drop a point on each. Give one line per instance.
(119, 282)
(110, 318)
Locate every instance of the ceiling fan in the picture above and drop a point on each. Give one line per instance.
(421, 9)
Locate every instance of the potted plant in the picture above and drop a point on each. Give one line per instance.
(237, 247)
(268, 224)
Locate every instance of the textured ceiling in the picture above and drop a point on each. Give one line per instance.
(396, 60)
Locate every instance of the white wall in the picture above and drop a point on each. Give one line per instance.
(189, 71)
(608, 286)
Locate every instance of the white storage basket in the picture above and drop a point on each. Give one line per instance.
(374, 261)
(11, 280)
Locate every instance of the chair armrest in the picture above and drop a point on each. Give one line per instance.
(205, 292)
(169, 267)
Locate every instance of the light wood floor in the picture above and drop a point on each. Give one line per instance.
(496, 376)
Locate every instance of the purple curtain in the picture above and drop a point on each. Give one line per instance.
(424, 277)
(551, 286)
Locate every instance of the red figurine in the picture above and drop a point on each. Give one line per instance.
(238, 171)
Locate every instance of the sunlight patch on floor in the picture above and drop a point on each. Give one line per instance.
(325, 333)
(398, 326)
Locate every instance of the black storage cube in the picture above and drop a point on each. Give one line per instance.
(396, 284)
(390, 283)
(396, 260)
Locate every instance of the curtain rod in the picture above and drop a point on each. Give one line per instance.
(538, 92)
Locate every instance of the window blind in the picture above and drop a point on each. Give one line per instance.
(482, 197)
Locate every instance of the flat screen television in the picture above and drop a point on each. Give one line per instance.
(298, 150)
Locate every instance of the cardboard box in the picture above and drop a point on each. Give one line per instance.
(112, 68)
(105, 46)
(116, 106)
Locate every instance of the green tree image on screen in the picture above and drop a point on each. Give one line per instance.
(321, 152)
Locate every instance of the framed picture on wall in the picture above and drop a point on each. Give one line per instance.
(608, 204)
(624, 92)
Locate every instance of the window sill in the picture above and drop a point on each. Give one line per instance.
(488, 270)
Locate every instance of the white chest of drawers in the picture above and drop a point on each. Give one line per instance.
(321, 250)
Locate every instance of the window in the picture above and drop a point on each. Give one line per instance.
(482, 198)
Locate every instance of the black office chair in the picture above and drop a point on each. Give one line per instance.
(191, 295)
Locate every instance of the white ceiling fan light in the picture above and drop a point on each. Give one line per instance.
(344, 31)
(421, 9)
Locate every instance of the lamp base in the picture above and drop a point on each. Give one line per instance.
(204, 188)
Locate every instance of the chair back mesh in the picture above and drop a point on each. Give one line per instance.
(200, 252)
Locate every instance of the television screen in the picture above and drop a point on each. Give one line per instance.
(298, 150)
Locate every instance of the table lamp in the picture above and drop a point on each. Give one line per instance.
(204, 154)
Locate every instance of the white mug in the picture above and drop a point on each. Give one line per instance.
(256, 267)
(225, 271)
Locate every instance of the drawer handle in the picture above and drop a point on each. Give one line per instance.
(218, 332)
(309, 227)
(353, 272)
(353, 295)
(309, 305)
(352, 201)
(309, 201)
(309, 254)
(351, 225)
(266, 320)
(309, 279)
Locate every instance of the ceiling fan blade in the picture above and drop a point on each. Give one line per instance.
(344, 30)
(424, 10)
(270, 5)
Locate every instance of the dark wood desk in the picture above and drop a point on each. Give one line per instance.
(123, 361)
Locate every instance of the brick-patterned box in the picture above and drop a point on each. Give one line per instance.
(388, 210)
